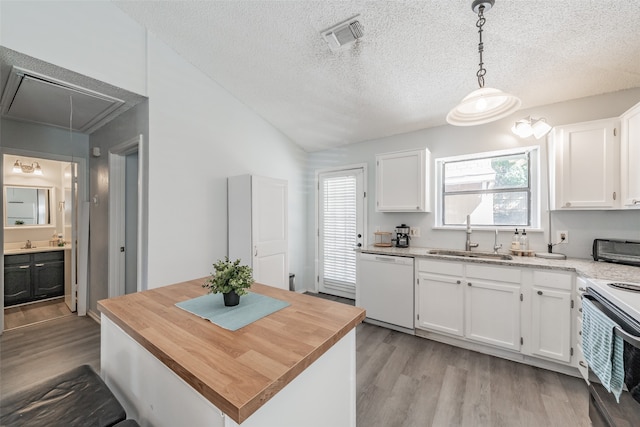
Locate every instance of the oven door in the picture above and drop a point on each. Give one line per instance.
(603, 408)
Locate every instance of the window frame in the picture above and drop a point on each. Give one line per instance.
(534, 186)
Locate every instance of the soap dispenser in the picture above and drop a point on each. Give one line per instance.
(515, 242)
(524, 241)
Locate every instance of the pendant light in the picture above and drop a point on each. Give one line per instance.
(485, 104)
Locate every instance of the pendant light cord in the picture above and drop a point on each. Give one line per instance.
(482, 71)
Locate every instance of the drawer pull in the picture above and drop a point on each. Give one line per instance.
(458, 282)
(584, 365)
(539, 292)
(468, 283)
(39, 265)
(582, 289)
(24, 266)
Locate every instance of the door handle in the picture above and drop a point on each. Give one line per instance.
(24, 266)
(39, 265)
(359, 245)
(255, 251)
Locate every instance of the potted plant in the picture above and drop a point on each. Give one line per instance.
(230, 279)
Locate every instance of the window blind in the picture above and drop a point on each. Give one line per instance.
(339, 231)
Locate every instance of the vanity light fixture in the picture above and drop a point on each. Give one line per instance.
(486, 104)
(34, 168)
(528, 126)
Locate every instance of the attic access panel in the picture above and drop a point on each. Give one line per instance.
(35, 98)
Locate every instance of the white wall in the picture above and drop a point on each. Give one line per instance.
(444, 141)
(198, 133)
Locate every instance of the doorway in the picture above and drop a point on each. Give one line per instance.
(126, 170)
(341, 219)
(40, 246)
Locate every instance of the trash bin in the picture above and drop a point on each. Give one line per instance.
(292, 284)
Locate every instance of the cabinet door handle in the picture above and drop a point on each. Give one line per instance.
(581, 363)
(468, 283)
(458, 282)
(539, 292)
(582, 289)
(39, 265)
(24, 266)
(635, 202)
(614, 195)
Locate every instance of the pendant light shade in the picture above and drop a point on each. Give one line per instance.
(481, 106)
(486, 104)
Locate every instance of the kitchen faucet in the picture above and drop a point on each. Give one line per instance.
(469, 245)
(27, 245)
(496, 246)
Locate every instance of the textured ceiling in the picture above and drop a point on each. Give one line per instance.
(417, 59)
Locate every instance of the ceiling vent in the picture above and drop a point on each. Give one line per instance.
(343, 34)
(36, 98)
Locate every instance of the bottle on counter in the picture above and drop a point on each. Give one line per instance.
(524, 241)
(515, 242)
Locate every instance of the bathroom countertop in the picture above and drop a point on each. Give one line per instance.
(16, 251)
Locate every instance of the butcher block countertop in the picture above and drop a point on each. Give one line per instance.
(237, 371)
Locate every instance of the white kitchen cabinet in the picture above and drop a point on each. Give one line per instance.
(551, 312)
(402, 181)
(579, 360)
(258, 227)
(480, 303)
(441, 299)
(586, 169)
(630, 157)
(492, 300)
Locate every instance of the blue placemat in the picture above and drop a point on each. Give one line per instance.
(251, 308)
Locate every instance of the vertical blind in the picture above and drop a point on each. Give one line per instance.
(339, 229)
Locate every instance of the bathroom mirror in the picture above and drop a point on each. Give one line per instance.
(27, 206)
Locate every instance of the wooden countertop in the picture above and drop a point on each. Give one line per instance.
(238, 371)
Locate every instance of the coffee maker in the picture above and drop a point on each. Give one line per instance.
(402, 236)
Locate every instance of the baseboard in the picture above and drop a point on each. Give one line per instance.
(503, 354)
(95, 316)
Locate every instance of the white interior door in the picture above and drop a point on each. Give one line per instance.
(269, 223)
(340, 230)
(70, 224)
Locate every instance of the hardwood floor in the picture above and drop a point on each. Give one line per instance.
(40, 351)
(402, 380)
(28, 314)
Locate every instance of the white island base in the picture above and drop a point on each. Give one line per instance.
(322, 395)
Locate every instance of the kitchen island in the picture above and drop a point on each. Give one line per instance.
(169, 367)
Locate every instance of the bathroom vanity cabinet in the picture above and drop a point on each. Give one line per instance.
(32, 277)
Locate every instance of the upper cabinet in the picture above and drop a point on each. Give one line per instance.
(630, 157)
(587, 165)
(402, 181)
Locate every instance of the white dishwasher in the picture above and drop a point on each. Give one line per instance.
(385, 288)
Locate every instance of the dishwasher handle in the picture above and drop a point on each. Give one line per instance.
(387, 259)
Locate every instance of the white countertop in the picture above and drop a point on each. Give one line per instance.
(16, 251)
(583, 267)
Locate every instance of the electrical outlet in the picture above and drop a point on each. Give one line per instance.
(414, 232)
(562, 236)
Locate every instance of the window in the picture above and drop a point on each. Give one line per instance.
(495, 189)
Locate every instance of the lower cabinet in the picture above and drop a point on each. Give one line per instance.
(551, 295)
(465, 301)
(520, 309)
(17, 279)
(444, 313)
(32, 277)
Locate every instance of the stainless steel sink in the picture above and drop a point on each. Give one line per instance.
(470, 254)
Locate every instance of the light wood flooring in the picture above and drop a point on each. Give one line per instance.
(402, 380)
(28, 314)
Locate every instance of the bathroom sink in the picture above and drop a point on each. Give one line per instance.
(470, 254)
